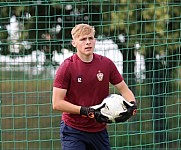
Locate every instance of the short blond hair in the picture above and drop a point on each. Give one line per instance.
(82, 29)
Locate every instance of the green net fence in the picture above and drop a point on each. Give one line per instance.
(141, 37)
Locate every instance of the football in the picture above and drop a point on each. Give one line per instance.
(113, 106)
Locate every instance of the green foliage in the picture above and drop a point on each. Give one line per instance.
(148, 23)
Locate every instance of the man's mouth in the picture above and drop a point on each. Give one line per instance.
(88, 48)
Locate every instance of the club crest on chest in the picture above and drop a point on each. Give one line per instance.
(100, 76)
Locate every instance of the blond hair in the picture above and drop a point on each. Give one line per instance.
(82, 29)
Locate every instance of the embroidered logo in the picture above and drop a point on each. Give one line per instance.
(100, 76)
(79, 80)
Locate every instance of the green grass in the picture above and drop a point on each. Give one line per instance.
(28, 121)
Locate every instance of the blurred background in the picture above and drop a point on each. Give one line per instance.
(141, 37)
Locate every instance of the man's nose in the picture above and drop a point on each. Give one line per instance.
(88, 40)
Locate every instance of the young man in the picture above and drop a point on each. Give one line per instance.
(82, 81)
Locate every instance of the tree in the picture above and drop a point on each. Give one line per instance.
(156, 26)
(3, 31)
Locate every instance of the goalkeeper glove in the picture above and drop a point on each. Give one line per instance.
(131, 110)
(94, 113)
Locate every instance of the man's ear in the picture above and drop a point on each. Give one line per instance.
(73, 43)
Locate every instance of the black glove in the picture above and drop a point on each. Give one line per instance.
(94, 113)
(129, 113)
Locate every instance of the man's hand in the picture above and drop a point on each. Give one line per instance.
(94, 113)
(131, 110)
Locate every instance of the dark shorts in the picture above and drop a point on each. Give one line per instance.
(73, 139)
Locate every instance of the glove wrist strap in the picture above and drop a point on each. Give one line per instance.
(134, 107)
(133, 102)
(83, 111)
(87, 112)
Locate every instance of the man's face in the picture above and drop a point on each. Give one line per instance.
(85, 44)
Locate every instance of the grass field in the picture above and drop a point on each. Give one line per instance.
(28, 121)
